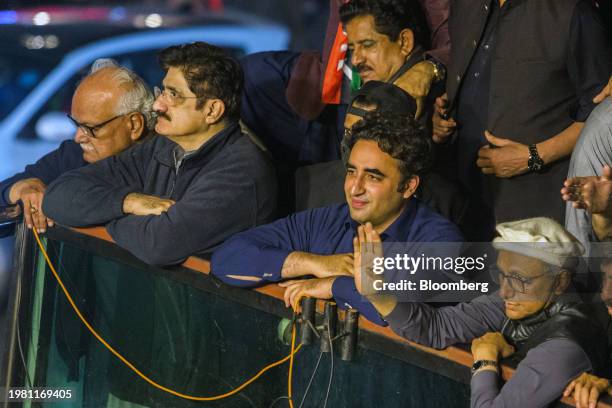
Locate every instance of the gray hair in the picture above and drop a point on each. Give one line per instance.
(138, 98)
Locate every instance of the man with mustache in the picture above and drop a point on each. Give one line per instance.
(388, 155)
(533, 319)
(184, 192)
(112, 110)
(284, 103)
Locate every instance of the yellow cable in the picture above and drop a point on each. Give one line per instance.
(143, 376)
(289, 380)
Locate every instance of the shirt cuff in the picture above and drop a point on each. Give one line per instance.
(274, 261)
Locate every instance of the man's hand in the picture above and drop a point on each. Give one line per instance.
(31, 192)
(442, 128)
(592, 193)
(417, 82)
(490, 347)
(142, 204)
(604, 92)
(299, 264)
(506, 159)
(586, 389)
(366, 246)
(297, 289)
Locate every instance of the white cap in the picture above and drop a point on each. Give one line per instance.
(541, 238)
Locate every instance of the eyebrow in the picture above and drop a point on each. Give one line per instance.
(367, 170)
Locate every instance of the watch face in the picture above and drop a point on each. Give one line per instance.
(535, 164)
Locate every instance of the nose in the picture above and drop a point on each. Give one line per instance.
(356, 56)
(80, 136)
(505, 291)
(357, 185)
(159, 105)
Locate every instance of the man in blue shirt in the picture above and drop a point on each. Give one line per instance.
(388, 155)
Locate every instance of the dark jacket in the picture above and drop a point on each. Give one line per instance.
(67, 156)
(226, 186)
(549, 59)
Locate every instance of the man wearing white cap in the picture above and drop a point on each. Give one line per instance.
(531, 318)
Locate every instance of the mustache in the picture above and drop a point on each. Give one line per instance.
(158, 114)
(608, 302)
(362, 67)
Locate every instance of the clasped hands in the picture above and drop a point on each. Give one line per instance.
(327, 268)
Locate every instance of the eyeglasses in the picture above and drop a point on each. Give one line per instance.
(91, 130)
(172, 97)
(517, 282)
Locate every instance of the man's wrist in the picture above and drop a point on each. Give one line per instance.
(128, 203)
(384, 304)
(535, 163)
(485, 365)
(439, 70)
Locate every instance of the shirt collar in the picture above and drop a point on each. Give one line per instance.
(396, 231)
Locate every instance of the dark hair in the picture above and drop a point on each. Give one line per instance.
(390, 17)
(209, 72)
(401, 138)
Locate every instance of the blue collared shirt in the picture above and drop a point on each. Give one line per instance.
(259, 253)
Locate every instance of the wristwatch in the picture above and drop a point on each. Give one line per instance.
(535, 162)
(482, 364)
(439, 69)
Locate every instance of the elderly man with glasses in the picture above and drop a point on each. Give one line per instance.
(186, 192)
(112, 110)
(533, 319)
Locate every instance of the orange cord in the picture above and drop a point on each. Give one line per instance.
(294, 350)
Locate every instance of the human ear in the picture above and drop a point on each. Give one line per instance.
(214, 110)
(137, 125)
(406, 41)
(411, 186)
(562, 282)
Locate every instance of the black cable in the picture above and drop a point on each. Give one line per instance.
(331, 370)
(311, 378)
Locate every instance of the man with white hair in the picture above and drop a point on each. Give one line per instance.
(531, 318)
(112, 110)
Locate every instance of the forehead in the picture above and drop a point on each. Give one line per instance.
(363, 28)
(520, 264)
(94, 101)
(175, 79)
(367, 154)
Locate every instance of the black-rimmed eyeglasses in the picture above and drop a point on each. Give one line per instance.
(91, 130)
